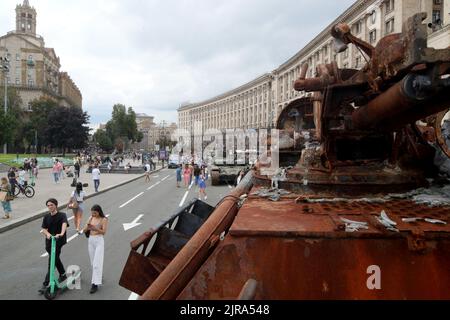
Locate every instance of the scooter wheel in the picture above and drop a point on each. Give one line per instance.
(48, 295)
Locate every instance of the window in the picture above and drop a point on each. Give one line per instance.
(373, 36)
(373, 16)
(30, 57)
(17, 81)
(357, 27)
(23, 26)
(325, 50)
(389, 5)
(30, 16)
(358, 62)
(29, 26)
(17, 57)
(389, 26)
(437, 2)
(437, 16)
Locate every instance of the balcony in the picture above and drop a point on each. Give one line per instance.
(30, 63)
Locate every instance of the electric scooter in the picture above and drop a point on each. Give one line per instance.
(55, 286)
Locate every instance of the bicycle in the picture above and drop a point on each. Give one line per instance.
(27, 190)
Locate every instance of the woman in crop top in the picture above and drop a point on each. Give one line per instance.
(97, 226)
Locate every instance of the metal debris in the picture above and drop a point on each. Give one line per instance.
(387, 222)
(352, 226)
(433, 221)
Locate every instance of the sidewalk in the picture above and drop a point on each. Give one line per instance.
(25, 210)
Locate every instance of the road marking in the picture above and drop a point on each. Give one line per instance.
(133, 296)
(164, 178)
(229, 186)
(128, 226)
(71, 218)
(184, 198)
(155, 176)
(140, 194)
(192, 183)
(149, 188)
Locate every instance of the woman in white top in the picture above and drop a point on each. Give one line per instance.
(76, 203)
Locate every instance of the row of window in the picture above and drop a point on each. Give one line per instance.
(18, 82)
(18, 56)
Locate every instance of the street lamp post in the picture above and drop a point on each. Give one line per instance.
(5, 68)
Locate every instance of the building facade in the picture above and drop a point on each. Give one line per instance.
(258, 103)
(34, 70)
(145, 124)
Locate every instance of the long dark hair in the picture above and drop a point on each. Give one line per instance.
(99, 210)
(79, 188)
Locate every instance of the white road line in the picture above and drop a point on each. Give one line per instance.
(164, 179)
(140, 194)
(155, 176)
(184, 198)
(71, 218)
(192, 183)
(229, 186)
(133, 296)
(151, 187)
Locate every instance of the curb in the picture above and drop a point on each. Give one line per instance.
(42, 213)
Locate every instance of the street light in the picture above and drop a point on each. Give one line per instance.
(4, 62)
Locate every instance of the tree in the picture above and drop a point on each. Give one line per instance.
(41, 109)
(67, 127)
(103, 140)
(11, 124)
(122, 128)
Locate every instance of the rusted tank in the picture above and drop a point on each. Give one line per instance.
(356, 209)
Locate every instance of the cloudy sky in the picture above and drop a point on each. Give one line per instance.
(154, 55)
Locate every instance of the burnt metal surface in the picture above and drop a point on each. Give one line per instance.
(357, 188)
(146, 261)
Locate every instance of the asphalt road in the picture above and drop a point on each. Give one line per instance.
(23, 267)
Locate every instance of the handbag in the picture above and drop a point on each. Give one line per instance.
(73, 204)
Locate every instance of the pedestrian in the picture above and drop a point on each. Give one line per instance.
(187, 175)
(147, 172)
(240, 176)
(202, 187)
(6, 201)
(77, 169)
(12, 179)
(76, 203)
(178, 173)
(36, 169)
(54, 224)
(96, 177)
(96, 227)
(55, 172)
(23, 181)
(196, 174)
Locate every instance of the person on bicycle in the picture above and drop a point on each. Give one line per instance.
(55, 224)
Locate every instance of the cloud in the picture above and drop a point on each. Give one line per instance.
(154, 55)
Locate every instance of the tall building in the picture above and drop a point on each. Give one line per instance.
(258, 103)
(34, 70)
(145, 125)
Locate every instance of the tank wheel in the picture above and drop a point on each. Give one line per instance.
(215, 178)
(48, 295)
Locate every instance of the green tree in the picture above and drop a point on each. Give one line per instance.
(41, 109)
(11, 124)
(67, 128)
(122, 128)
(103, 140)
